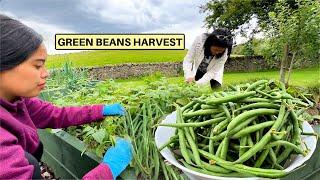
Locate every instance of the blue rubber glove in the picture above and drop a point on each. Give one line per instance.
(118, 157)
(113, 109)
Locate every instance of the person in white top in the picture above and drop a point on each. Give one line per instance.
(205, 59)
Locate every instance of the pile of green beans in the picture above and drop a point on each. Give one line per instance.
(147, 161)
(248, 130)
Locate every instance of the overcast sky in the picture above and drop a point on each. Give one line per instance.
(49, 17)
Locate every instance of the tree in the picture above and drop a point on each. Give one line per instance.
(232, 14)
(294, 34)
(248, 49)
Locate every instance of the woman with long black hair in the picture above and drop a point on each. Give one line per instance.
(205, 59)
(22, 77)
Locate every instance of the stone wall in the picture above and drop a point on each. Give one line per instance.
(134, 70)
(245, 64)
(234, 64)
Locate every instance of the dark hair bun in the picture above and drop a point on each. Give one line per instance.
(224, 35)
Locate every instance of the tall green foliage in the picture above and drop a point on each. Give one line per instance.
(232, 14)
(248, 49)
(294, 34)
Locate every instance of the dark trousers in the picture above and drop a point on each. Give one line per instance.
(34, 160)
(214, 84)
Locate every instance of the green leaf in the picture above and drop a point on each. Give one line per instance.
(87, 129)
(100, 150)
(99, 135)
(182, 101)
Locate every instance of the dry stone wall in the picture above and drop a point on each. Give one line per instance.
(134, 70)
(234, 64)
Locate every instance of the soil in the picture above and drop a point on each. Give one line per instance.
(46, 172)
(315, 111)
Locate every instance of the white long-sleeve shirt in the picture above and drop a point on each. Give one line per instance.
(195, 56)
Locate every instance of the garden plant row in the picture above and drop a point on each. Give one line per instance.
(147, 105)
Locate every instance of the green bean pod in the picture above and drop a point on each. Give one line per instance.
(193, 146)
(190, 104)
(252, 129)
(265, 139)
(220, 127)
(224, 148)
(230, 98)
(261, 158)
(287, 144)
(248, 114)
(201, 112)
(255, 85)
(196, 124)
(269, 173)
(182, 140)
(206, 106)
(259, 105)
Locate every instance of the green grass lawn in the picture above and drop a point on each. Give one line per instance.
(304, 77)
(105, 57)
(301, 77)
(113, 57)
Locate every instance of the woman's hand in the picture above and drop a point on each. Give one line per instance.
(113, 110)
(118, 157)
(190, 79)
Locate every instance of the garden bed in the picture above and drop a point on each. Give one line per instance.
(151, 101)
(63, 154)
